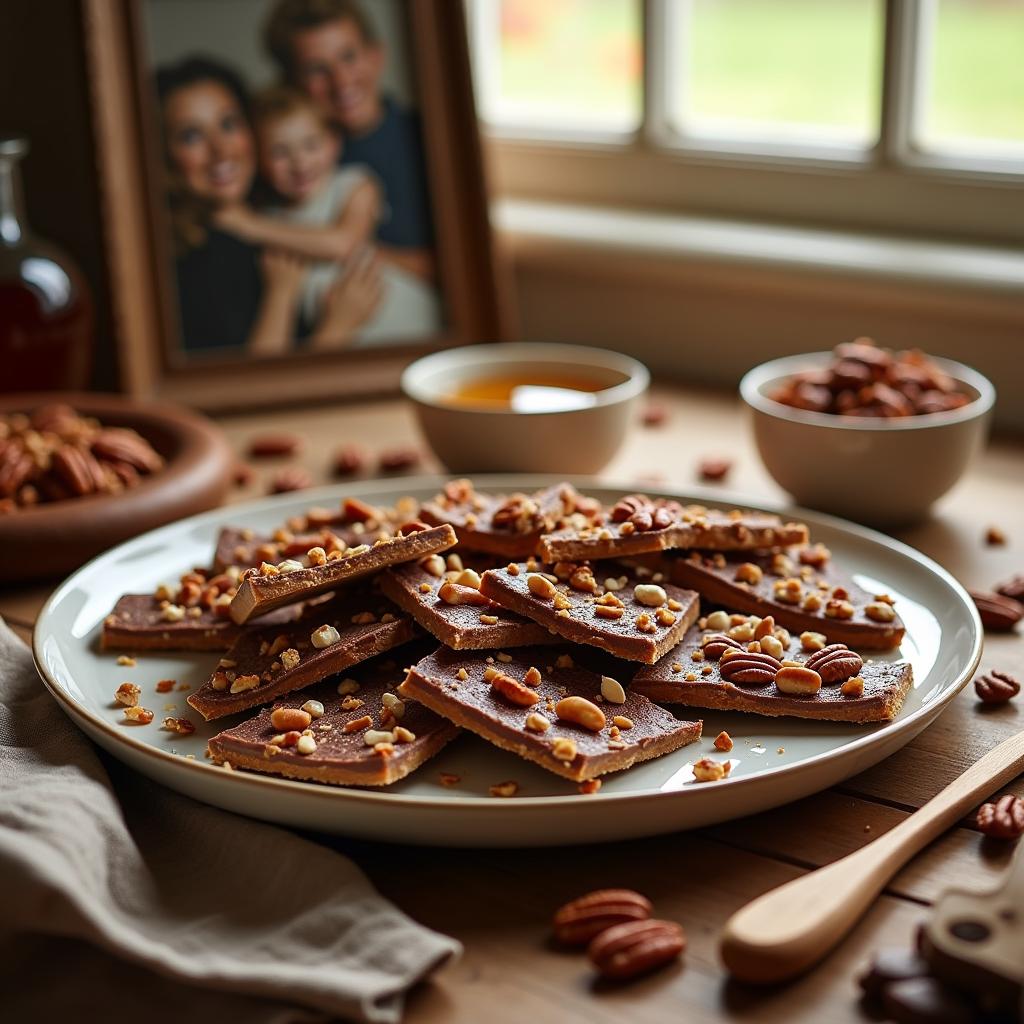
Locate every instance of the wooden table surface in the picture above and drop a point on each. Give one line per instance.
(499, 903)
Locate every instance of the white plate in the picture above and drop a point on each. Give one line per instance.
(774, 760)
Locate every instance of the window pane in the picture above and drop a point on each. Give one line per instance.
(779, 70)
(974, 96)
(574, 64)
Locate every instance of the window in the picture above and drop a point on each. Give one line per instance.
(904, 115)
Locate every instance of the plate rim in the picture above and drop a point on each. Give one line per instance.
(381, 796)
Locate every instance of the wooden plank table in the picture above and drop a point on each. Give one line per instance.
(498, 902)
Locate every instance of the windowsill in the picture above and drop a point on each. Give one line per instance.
(705, 239)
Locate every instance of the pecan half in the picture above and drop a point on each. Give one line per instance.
(16, 466)
(580, 920)
(1012, 588)
(629, 506)
(517, 513)
(291, 478)
(270, 445)
(117, 444)
(1002, 820)
(78, 469)
(715, 645)
(627, 950)
(835, 663)
(751, 668)
(998, 613)
(996, 687)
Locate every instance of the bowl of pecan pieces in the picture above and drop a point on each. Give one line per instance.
(81, 472)
(865, 432)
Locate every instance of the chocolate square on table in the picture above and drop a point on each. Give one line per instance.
(262, 591)
(639, 525)
(506, 525)
(513, 699)
(479, 624)
(637, 620)
(340, 757)
(691, 674)
(802, 595)
(330, 636)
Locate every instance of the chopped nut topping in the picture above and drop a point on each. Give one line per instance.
(612, 691)
(393, 704)
(503, 657)
(448, 779)
(182, 726)
(880, 611)
(324, 636)
(138, 715)
(243, 683)
(536, 722)
(623, 722)
(788, 591)
(127, 694)
(723, 742)
(356, 724)
(505, 789)
(513, 690)
(403, 735)
(165, 685)
(313, 708)
(840, 609)
(591, 785)
(564, 749)
(305, 745)
(750, 573)
(533, 676)
(351, 703)
(374, 736)
(317, 556)
(468, 578)
(462, 674)
(564, 661)
(772, 645)
(605, 611)
(292, 565)
(853, 687)
(488, 620)
(347, 686)
(709, 770)
(126, 660)
(457, 594)
(812, 641)
(290, 658)
(433, 564)
(581, 711)
(540, 586)
(173, 613)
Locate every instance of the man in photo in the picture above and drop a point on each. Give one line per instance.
(331, 50)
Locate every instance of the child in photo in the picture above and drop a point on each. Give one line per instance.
(328, 214)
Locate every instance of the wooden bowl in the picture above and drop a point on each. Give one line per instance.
(54, 538)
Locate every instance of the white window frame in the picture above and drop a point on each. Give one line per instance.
(895, 185)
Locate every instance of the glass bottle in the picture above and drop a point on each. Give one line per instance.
(46, 311)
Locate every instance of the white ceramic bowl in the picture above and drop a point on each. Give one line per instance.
(470, 440)
(884, 472)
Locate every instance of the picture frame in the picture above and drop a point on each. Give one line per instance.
(140, 273)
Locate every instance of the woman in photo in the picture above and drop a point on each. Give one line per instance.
(231, 293)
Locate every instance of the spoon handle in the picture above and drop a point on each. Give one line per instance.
(789, 929)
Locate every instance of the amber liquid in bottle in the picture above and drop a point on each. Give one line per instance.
(46, 313)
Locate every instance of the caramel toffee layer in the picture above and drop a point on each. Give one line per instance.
(690, 526)
(583, 609)
(820, 598)
(679, 679)
(265, 663)
(341, 758)
(507, 525)
(258, 593)
(453, 684)
(140, 622)
(460, 626)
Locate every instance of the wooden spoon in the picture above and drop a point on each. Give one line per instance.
(789, 929)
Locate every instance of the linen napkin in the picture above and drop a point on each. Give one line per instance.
(147, 905)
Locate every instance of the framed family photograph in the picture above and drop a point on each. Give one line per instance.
(294, 193)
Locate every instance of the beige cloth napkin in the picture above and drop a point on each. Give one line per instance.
(145, 905)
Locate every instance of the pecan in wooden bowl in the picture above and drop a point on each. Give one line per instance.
(82, 472)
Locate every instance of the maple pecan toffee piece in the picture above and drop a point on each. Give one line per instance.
(271, 586)
(537, 703)
(508, 525)
(774, 674)
(800, 587)
(353, 523)
(191, 615)
(443, 596)
(366, 736)
(635, 619)
(637, 525)
(264, 663)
